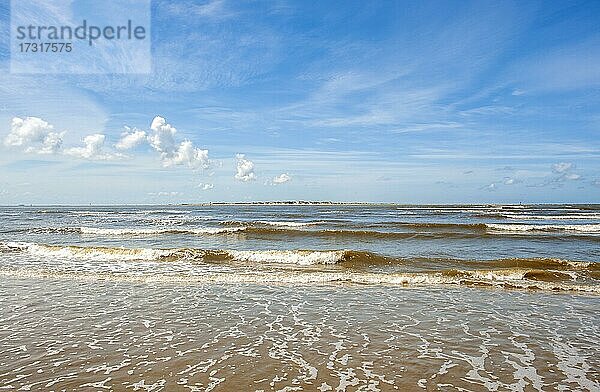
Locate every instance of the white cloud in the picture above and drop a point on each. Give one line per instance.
(282, 178)
(165, 194)
(93, 149)
(131, 138)
(571, 176)
(511, 181)
(245, 169)
(52, 143)
(187, 154)
(163, 139)
(562, 167)
(34, 135)
(564, 172)
(205, 187)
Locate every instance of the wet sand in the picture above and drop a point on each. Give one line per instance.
(106, 335)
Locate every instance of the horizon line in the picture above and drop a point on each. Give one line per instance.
(294, 203)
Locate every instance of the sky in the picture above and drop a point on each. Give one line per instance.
(378, 101)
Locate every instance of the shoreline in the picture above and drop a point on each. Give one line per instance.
(113, 335)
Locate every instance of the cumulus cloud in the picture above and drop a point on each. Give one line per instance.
(131, 138)
(511, 181)
(205, 187)
(245, 169)
(491, 187)
(34, 135)
(92, 149)
(187, 154)
(562, 167)
(571, 176)
(564, 172)
(282, 178)
(163, 138)
(165, 194)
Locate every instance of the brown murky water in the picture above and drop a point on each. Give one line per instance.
(92, 335)
(300, 298)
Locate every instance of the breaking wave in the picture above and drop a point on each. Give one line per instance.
(487, 279)
(354, 267)
(153, 231)
(300, 257)
(130, 231)
(111, 212)
(85, 252)
(289, 224)
(301, 229)
(583, 228)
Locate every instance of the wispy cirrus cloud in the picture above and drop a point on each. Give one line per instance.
(562, 68)
(211, 10)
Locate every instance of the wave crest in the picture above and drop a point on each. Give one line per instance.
(350, 258)
(154, 231)
(554, 274)
(508, 227)
(488, 279)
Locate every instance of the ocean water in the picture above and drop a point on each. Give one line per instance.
(300, 297)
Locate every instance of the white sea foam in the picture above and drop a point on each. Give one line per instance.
(300, 257)
(120, 212)
(153, 231)
(502, 227)
(162, 212)
(511, 275)
(577, 216)
(295, 277)
(289, 223)
(94, 213)
(90, 253)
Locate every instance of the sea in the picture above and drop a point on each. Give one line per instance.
(300, 297)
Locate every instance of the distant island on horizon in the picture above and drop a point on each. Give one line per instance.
(333, 203)
(312, 203)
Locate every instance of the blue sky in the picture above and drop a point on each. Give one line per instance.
(408, 102)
